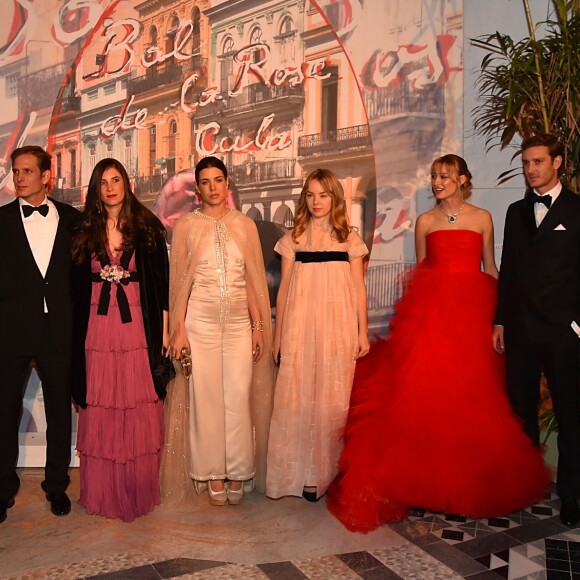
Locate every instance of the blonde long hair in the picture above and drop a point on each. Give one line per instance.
(337, 217)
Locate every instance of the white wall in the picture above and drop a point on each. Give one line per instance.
(482, 18)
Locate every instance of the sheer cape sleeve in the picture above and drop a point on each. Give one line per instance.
(174, 480)
(244, 232)
(191, 234)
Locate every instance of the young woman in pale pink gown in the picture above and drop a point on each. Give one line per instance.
(321, 329)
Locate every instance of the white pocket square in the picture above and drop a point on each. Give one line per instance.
(560, 228)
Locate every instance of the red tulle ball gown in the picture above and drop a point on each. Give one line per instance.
(430, 424)
(120, 433)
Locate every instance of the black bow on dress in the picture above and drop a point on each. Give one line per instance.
(105, 297)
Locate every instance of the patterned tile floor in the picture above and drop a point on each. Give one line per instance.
(530, 544)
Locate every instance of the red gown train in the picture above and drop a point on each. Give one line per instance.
(430, 424)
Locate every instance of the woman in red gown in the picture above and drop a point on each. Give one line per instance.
(430, 424)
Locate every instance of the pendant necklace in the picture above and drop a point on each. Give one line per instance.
(451, 217)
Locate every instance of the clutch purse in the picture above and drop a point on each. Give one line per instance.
(163, 372)
(185, 362)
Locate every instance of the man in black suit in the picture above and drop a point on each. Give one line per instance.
(35, 322)
(538, 315)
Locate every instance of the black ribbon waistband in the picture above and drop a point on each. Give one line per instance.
(105, 297)
(308, 257)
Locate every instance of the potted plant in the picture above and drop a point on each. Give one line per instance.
(547, 424)
(532, 86)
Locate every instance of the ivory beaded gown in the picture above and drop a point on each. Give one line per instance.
(318, 342)
(218, 328)
(430, 424)
(200, 246)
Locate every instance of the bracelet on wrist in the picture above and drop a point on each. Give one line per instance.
(258, 326)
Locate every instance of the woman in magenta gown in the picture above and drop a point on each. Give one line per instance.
(121, 300)
(430, 424)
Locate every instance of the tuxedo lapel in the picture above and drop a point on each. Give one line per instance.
(61, 238)
(528, 217)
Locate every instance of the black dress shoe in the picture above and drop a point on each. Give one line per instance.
(310, 496)
(570, 512)
(59, 502)
(5, 505)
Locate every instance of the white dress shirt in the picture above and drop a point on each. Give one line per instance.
(540, 210)
(41, 232)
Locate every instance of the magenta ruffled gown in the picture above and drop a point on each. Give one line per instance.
(120, 433)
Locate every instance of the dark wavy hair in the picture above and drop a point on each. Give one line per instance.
(134, 220)
(337, 218)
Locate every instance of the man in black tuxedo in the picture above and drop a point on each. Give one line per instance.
(538, 315)
(35, 322)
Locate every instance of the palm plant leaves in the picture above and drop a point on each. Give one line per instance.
(533, 86)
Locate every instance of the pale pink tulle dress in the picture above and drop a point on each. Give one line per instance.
(318, 343)
(120, 433)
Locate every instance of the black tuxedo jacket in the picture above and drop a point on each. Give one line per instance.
(539, 279)
(23, 289)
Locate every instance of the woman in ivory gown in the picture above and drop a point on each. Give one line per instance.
(220, 316)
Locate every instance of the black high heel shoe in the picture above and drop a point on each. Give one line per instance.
(310, 496)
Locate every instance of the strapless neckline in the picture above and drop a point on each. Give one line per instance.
(454, 250)
(456, 231)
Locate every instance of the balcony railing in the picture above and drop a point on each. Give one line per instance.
(70, 195)
(40, 89)
(386, 284)
(145, 187)
(255, 172)
(259, 93)
(159, 75)
(70, 104)
(251, 96)
(403, 99)
(333, 141)
(151, 184)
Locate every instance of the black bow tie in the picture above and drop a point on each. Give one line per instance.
(28, 210)
(545, 199)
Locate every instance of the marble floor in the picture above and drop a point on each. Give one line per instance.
(288, 539)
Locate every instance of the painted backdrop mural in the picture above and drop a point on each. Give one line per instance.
(367, 88)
